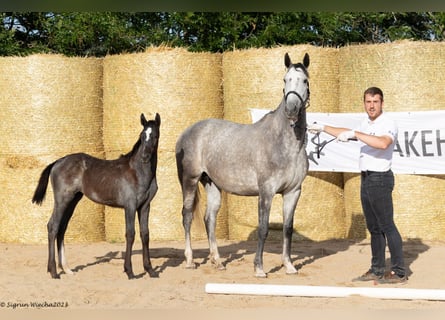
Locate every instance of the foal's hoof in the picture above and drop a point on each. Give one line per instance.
(55, 276)
(152, 273)
(68, 271)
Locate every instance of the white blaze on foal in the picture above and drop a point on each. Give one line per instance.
(148, 134)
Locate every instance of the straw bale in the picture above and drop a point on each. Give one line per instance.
(51, 106)
(412, 79)
(409, 73)
(183, 87)
(419, 206)
(254, 79)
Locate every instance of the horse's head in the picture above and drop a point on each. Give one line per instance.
(296, 87)
(149, 136)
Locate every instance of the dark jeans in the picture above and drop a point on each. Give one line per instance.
(376, 198)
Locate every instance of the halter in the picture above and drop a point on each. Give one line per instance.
(298, 95)
(304, 103)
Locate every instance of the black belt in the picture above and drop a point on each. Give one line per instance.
(369, 173)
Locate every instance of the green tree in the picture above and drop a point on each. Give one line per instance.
(101, 33)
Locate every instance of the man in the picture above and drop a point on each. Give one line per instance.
(378, 133)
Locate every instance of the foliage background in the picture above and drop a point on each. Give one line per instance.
(101, 33)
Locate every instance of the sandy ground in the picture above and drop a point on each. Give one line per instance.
(99, 283)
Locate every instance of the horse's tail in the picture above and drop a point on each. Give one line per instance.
(39, 194)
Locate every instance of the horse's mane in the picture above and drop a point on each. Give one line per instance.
(299, 65)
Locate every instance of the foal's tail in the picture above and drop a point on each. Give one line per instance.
(39, 194)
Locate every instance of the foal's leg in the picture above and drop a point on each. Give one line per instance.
(143, 214)
(213, 205)
(53, 227)
(264, 205)
(289, 204)
(68, 213)
(129, 235)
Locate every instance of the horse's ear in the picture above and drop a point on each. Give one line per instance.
(287, 61)
(306, 60)
(143, 120)
(158, 119)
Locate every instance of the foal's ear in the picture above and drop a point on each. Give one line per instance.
(306, 60)
(158, 119)
(287, 61)
(143, 120)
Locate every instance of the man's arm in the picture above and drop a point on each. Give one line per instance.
(344, 134)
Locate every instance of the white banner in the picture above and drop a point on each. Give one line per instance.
(420, 147)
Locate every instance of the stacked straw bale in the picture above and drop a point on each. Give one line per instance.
(183, 87)
(412, 79)
(254, 79)
(51, 106)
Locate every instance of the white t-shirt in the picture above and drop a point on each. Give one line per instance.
(373, 159)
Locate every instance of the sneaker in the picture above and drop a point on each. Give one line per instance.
(368, 276)
(392, 277)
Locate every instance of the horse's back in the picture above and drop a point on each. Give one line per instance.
(240, 158)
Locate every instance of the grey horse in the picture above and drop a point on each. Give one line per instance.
(260, 159)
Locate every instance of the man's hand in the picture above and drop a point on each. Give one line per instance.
(345, 136)
(315, 128)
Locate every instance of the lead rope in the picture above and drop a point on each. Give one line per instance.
(319, 146)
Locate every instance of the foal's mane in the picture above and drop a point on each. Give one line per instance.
(133, 150)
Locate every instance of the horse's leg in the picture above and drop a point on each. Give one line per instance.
(290, 201)
(67, 214)
(264, 205)
(213, 205)
(143, 214)
(129, 236)
(190, 192)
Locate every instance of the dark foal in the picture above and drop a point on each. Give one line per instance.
(128, 182)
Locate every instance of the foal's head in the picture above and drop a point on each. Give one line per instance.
(149, 137)
(296, 87)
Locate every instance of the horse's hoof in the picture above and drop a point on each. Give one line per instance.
(290, 272)
(218, 265)
(260, 274)
(190, 266)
